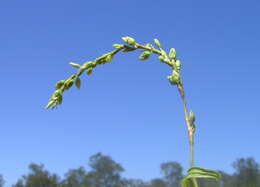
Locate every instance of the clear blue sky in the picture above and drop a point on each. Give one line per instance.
(127, 109)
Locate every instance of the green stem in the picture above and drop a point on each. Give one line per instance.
(190, 130)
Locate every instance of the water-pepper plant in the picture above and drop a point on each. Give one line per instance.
(175, 79)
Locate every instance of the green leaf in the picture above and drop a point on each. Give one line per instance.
(74, 65)
(78, 83)
(157, 42)
(196, 172)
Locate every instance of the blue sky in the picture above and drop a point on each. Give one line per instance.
(127, 109)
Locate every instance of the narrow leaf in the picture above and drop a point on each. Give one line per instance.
(74, 65)
(196, 172)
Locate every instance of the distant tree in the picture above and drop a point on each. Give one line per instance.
(172, 172)
(76, 178)
(135, 183)
(2, 181)
(158, 183)
(227, 180)
(105, 172)
(247, 173)
(38, 177)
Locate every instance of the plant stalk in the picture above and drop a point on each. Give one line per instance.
(191, 130)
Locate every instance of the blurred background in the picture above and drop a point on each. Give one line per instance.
(127, 115)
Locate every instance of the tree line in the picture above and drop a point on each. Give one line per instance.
(105, 172)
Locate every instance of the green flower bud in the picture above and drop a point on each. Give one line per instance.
(57, 93)
(89, 71)
(172, 53)
(68, 84)
(59, 84)
(87, 65)
(78, 83)
(178, 65)
(173, 79)
(104, 58)
(59, 99)
(50, 104)
(162, 58)
(74, 65)
(192, 118)
(129, 40)
(145, 55)
(109, 58)
(118, 46)
(157, 42)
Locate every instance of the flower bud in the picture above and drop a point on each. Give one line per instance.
(145, 55)
(59, 84)
(50, 104)
(129, 40)
(87, 65)
(162, 58)
(68, 84)
(178, 65)
(109, 58)
(89, 71)
(157, 42)
(60, 99)
(172, 53)
(57, 93)
(78, 83)
(172, 80)
(192, 118)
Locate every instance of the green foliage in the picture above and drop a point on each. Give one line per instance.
(105, 172)
(247, 173)
(158, 183)
(38, 177)
(2, 181)
(172, 172)
(76, 178)
(196, 172)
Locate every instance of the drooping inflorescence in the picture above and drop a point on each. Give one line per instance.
(130, 45)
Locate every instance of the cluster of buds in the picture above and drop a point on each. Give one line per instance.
(131, 45)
